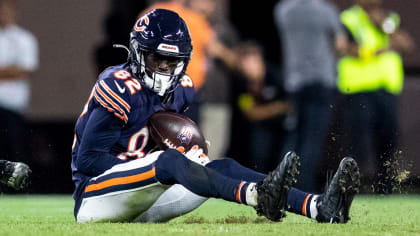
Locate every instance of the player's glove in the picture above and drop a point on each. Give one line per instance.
(196, 155)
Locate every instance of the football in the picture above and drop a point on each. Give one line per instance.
(173, 130)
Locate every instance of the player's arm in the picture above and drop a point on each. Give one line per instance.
(12, 72)
(256, 112)
(102, 131)
(402, 42)
(218, 50)
(110, 113)
(103, 128)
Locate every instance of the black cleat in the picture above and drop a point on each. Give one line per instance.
(15, 175)
(273, 190)
(334, 204)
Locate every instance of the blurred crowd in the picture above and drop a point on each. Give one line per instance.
(334, 67)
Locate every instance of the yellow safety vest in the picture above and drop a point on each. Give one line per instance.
(368, 72)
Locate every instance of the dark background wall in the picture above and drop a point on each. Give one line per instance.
(70, 33)
(67, 32)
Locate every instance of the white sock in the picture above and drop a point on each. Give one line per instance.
(312, 207)
(251, 195)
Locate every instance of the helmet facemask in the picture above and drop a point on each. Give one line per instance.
(161, 82)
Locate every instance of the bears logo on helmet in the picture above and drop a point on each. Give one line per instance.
(139, 24)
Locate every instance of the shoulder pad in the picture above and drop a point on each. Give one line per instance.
(114, 89)
(187, 86)
(187, 82)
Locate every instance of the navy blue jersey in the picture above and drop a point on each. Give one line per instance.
(112, 128)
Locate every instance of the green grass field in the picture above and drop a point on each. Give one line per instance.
(53, 215)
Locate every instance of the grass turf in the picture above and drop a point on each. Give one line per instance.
(53, 215)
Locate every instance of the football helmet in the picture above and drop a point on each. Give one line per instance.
(160, 50)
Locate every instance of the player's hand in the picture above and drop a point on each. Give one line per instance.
(196, 155)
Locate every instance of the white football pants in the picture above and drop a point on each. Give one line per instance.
(151, 202)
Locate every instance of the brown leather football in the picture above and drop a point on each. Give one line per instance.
(173, 130)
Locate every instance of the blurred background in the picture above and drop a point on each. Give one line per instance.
(75, 44)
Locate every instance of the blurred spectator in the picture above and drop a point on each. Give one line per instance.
(204, 40)
(310, 30)
(18, 59)
(263, 107)
(371, 76)
(216, 92)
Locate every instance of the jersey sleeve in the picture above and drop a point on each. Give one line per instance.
(101, 132)
(112, 94)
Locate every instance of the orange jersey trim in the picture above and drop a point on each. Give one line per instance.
(103, 103)
(107, 107)
(121, 180)
(120, 100)
(304, 204)
(125, 118)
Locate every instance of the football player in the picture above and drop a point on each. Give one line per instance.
(119, 179)
(14, 174)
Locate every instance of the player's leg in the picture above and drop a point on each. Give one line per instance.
(331, 206)
(296, 198)
(268, 196)
(127, 190)
(178, 200)
(174, 202)
(14, 174)
(121, 193)
(229, 167)
(386, 140)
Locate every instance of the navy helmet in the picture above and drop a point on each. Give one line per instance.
(165, 34)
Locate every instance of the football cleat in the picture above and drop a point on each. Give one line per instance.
(273, 190)
(334, 204)
(16, 175)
